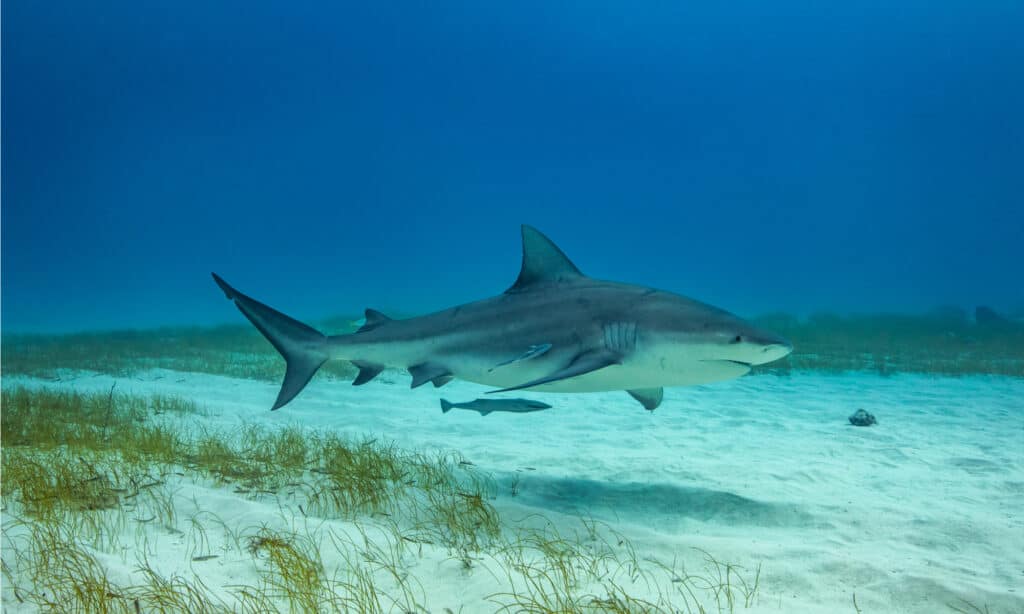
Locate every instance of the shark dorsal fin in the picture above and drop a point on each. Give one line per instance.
(542, 262)
(374, 319)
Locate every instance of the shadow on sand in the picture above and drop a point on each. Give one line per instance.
(639, 501)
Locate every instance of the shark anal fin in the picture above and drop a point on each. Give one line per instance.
(650, 398)
(374, 319)
(367, 371)
(580, 365)
(542, 262)
(441, 381)
(427, 372)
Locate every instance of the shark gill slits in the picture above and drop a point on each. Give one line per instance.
(620, 337)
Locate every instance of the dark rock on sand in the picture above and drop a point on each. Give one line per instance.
(862, 418)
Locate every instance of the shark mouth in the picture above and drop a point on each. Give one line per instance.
(733, 362)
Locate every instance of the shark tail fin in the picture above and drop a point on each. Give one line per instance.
(446, 406)
(303, 347)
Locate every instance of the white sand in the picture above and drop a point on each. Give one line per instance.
(920, 511)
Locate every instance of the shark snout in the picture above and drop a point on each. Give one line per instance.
(757, 347)
(774, 351)
(753, 348)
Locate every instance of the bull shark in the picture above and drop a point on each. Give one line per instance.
(554, 330)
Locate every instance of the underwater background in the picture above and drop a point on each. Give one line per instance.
(786, 156)
(848, 175)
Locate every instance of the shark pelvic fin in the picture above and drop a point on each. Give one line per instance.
(303, 347)
(580, 365)
(374, 319)
(542, 262)
(441, 381)
(367, 371)
(650, 398)
(426, 372)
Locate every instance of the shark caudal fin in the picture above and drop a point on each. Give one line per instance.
(303, 347)
(446, 406)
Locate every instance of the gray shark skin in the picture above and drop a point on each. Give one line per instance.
(554, 330)
(487, 406)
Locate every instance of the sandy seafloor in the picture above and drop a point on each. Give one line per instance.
(920, 511)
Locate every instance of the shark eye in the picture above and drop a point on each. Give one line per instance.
(737, 339)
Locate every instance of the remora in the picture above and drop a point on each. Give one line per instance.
(554, 330)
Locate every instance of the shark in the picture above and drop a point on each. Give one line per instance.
(554, 330)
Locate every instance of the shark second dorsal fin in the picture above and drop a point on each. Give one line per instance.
(374, 319)
(542, 262)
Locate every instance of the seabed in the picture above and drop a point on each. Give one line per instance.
(142, 472)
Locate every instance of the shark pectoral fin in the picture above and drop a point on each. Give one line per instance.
(441, 381)
(426, 372)
(367, 371)
(650, 398)
(582, 364)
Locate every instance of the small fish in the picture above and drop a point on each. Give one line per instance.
(486, 406)
(533, 352)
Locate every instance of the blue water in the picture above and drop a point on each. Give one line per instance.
(792, 156)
